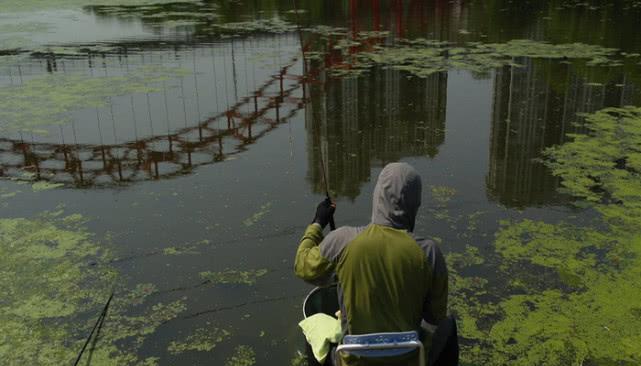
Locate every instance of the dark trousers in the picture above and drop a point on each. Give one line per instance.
(444, 350)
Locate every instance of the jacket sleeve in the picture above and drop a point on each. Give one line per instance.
(310, 264)
(435, 306)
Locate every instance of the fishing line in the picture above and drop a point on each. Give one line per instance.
(99, 322)
(332, 225)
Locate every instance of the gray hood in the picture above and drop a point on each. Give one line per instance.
(397, 196)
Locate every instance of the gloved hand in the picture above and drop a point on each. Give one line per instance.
(324, 212)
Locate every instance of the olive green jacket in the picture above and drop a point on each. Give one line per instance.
(388, 279)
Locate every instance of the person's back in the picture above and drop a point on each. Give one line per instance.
(388, 280)
(384, 278)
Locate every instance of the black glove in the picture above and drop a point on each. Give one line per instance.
(324, 212)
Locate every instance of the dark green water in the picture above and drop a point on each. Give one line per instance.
(224, 146)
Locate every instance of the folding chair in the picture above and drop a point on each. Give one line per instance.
(382, 345)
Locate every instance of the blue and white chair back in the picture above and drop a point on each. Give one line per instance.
(382, 345)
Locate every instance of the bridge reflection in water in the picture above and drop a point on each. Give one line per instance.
(179, 150)
(378, 117)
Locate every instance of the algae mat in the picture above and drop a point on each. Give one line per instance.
(423, 57)
(36, 5)
(49, 100)
(572, 291)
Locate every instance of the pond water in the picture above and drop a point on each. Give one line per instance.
(170, 151)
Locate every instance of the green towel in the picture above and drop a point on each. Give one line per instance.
(320, 330)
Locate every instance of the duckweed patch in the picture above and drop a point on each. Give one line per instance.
(49, 100)
(45, 186)
(471, 256)
(29, 27)
(16, 36)
(203, 340)
(32, 5)
(571, 291)
(243, 356)
(442, 194)
(464, 296)
(603, 168)
(168, 15)
(422, 58)
(270, 25)
(6, 194)
(55, 280)
(231, 276)
(299, 359)
(257, 216)
(571, 325)
(187, 248)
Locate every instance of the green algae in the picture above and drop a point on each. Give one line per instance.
(299, 359)
(71, 50)
(231, 276)
(55, 280)
(17, 36)
(442, 194)
(27, 27)
(202, 340)
(423, 58)
(561, 326)
(243, 356)
(186, 248)
(258, 215)
(603, 167)
(327, 31)
(10, 6)
(139, 293)
(471, 256)
(179, 250)
(49, 100)
(557, 246)
(167, 15)
(6, 194)
(41, 279)
(465, 293)
(45, 186)
(571, 290)
(270, 25)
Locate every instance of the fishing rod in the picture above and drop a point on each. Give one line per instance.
(332, 225)
(99, 322)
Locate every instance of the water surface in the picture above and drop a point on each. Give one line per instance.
(189, 135)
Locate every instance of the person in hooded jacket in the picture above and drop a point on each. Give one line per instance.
(388, 279)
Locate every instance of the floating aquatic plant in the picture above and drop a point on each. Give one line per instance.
(17, 36)
(45, 186)
(299, 359)
(232, 276)
(257, 216)
(469, 257)
(603, 167)
(423, 58)
(202, 339)
(167, 15)
(572, 294)
(55, 280)
(33, 5)
(187, 248)
(442, 194)
(48, 100)
(243, 356)
(26, 27)
(575, 324)
(270, 25)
